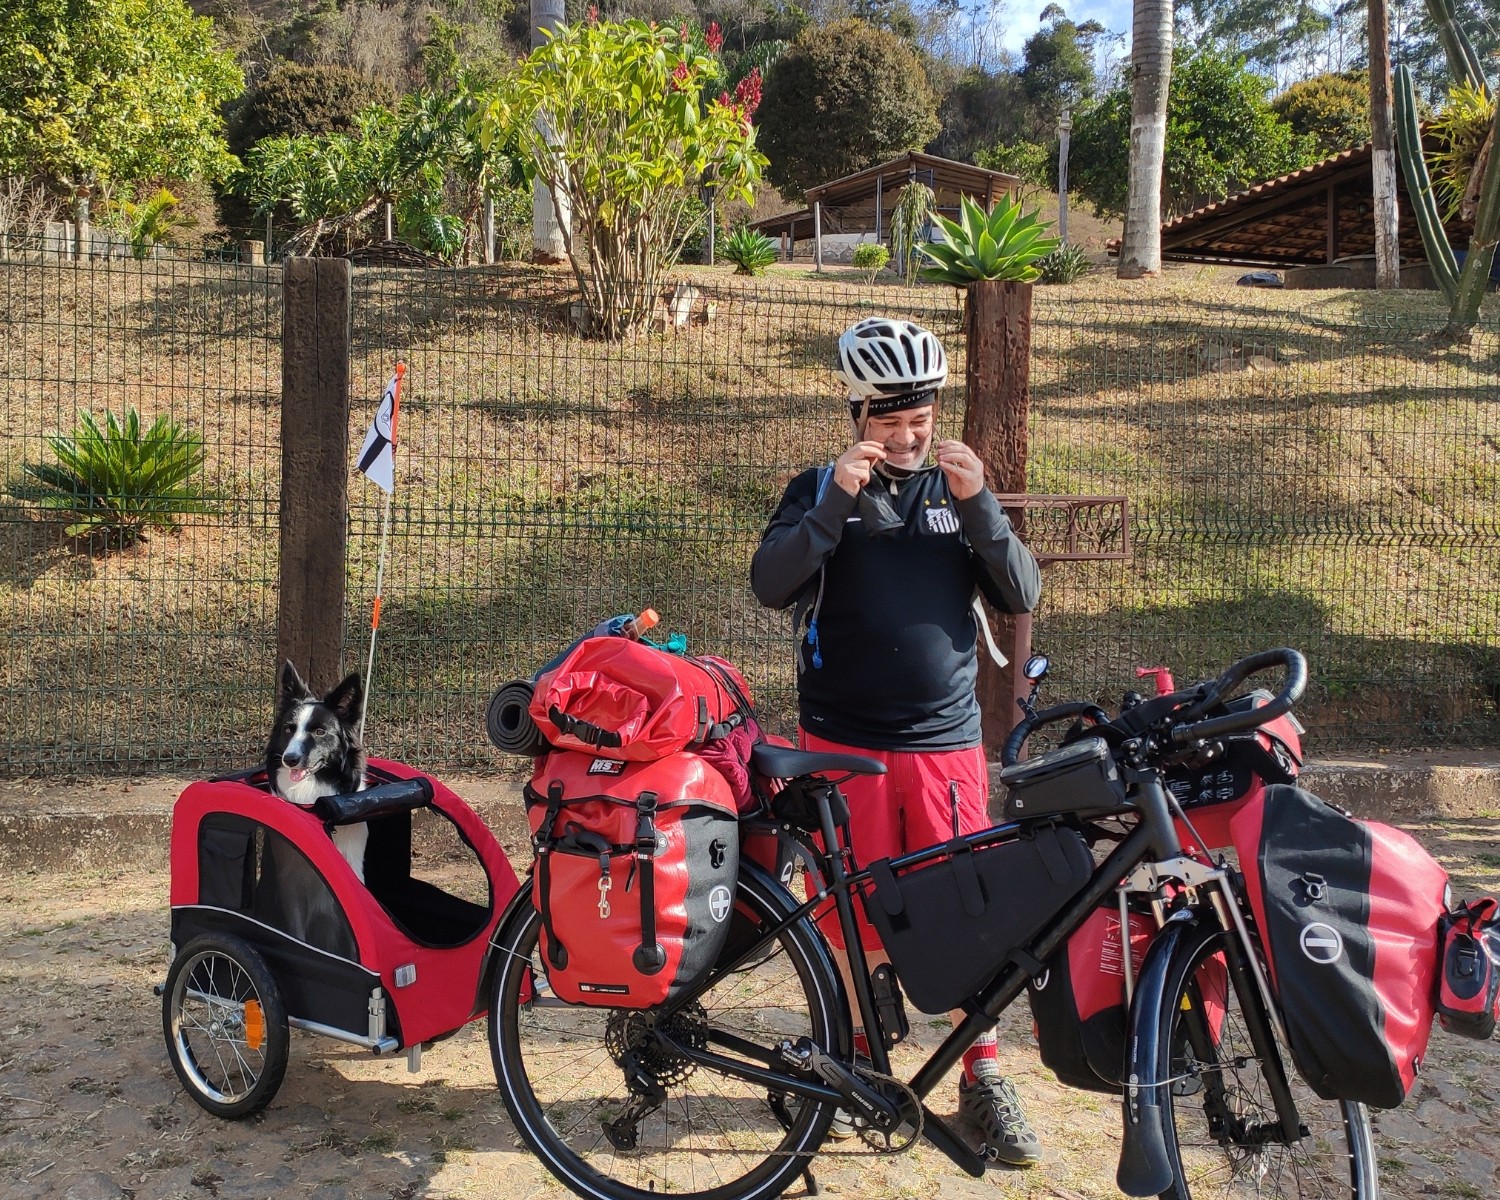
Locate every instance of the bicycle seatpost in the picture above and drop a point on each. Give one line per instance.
(859, 970)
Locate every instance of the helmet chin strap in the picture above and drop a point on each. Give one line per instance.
(887, 470)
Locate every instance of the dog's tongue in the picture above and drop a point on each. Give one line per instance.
(296, 774)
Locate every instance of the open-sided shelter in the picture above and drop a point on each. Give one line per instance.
(862, 202)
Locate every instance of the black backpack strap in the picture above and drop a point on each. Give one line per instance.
(542, 843)
(649, 957)
(966, 876)
(586, 732)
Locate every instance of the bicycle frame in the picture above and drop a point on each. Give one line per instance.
(1150, 856)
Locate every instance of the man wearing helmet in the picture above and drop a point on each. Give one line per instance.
(882, 554)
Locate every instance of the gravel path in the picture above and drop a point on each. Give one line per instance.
(90, 1109)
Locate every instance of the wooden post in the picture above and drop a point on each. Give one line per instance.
(817, 235)
(1383, 154)
(315, 366)
(998, 407)
(879, 198)
(252, 252)
(487, 228)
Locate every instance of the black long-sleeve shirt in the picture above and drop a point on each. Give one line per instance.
(897, 635)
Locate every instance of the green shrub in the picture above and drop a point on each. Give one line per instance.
(116, 482)
(750, 251)
(1063, 265)
(871, 258)
(1004, 244)
(294, 100)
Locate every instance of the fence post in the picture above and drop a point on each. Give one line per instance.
(999, 401)
(315, 371)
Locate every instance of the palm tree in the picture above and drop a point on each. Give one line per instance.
(1150, 76)
(548, 211)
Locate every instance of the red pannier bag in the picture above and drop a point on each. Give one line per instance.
(1469, 984)
(632, 701)
(1078, 1004)
(635, 873)
(1348, 913)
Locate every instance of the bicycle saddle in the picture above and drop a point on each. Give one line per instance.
(782, 762)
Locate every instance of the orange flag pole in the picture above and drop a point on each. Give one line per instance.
(385, 533)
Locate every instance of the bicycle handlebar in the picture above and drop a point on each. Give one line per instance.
(1011, 753)
(1292, 687)
(1187, 727)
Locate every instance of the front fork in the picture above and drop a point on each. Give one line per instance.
(1145, 1167)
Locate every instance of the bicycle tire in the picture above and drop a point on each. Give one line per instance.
(225, 1026)
(716, 1137)
(1220, 1110)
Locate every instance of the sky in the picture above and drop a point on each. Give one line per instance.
(1021, 17)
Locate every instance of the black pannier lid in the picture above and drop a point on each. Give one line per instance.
(1080, 778)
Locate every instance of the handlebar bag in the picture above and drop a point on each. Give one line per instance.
(1348, 912)
(632, 701)
(1212, 794)
(951, 924)
(1469, 983)
(635, 871)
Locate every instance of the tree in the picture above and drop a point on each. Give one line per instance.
(1150, 78)
(293, 100)
(1057, 71)
(1332, 109)
(840, 98)
(1222, 136)
(632, 132)
(1264, 32)
(981, 109)
(112, 91)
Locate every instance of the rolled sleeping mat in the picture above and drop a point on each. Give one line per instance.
(509, 724)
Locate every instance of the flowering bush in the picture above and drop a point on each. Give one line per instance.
(618, 119)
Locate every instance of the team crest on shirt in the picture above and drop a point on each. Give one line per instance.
(942, 520)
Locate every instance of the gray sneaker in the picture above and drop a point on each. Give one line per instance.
(991, 1106)
(842, 1127)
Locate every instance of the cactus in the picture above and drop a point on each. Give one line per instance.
(1463, 60)
(1440, 257)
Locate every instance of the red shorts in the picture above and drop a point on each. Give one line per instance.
(908, 808)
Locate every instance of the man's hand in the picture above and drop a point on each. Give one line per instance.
(963, 469)
(852, 470)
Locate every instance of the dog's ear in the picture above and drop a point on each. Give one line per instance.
(348, 699)
(292, 687)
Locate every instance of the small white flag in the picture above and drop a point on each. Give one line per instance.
(377, 457)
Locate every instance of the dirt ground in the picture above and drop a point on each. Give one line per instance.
(90, 1109)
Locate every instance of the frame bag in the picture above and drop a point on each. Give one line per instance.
(1469, 987)
(636, 865)
(1348, 913)
(951, 924)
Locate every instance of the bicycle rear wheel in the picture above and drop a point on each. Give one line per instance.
(562, 1068)
(1223, 1135)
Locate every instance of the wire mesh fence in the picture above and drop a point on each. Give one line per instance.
(1301, 469)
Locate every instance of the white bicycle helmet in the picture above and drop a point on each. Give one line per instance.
(890, 364)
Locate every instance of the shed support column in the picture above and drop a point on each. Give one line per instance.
(879, 196)
(817, 235)
(1333, 223)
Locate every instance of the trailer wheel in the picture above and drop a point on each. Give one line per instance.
(225, 1026)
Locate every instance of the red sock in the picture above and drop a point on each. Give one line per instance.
(861, 1043)
(981, 1051)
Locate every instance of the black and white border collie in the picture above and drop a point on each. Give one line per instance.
(315, 751)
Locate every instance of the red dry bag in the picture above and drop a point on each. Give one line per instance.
(1348, 913)
(635, 873)
(631, 701)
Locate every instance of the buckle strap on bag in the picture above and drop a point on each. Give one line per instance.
(585, 731)
(542, 842)
(649, 957)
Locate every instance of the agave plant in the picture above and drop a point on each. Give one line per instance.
(749, 250)
(118, 481)
(1004, 244)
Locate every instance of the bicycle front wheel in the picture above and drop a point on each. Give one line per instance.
(566, 1072)
(1224, 1136)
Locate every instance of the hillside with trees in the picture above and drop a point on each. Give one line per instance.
(336, 123)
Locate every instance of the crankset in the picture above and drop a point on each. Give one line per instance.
(885, 1113)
